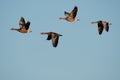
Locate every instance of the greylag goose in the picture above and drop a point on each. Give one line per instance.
(71, 17)
(52, 36)
(24, 27)
(102, 25)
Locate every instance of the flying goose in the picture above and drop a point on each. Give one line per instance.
(24, 27)
(102, 25)
(52, 36)
(71, 17)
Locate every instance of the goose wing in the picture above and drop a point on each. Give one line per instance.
(74, 12)
(106, 26)
(22, 22)
(49, 37)
(66, 14)
(100, 27)
(100, 30)
(27, 25)
(55, 39)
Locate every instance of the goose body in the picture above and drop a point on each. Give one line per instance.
(52, 36)
(71, 17)
(102, 25)
(24, 27)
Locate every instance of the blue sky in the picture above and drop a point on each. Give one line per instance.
(82, 54)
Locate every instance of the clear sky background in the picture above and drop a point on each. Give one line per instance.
(82, 54)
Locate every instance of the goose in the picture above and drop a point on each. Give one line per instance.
(52, 36)
(71, 17)
(102, 25)
(24, 27)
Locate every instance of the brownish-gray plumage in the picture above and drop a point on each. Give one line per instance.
(24, 27)
(102, 25)
(71, 17)
(52, 36)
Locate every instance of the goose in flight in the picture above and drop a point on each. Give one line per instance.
(24, 27)
(71, 17)
(102, 25)
(52, 36)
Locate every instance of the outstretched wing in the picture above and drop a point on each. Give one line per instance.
(66, 14)
(49, 37)
(27, 25)
(74, 12)
(22, 22)
(106, 26)
(55, 39)
(100, 30)
(100, 27)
